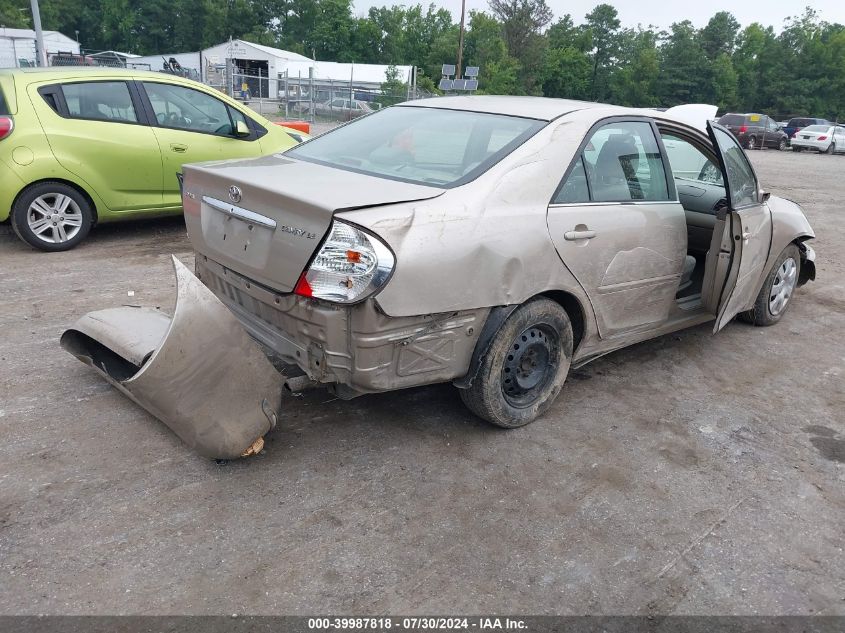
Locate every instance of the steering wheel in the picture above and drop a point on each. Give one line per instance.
(709, 173)
(174, 120)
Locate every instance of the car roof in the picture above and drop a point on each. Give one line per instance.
(50, 73)
(542, 108)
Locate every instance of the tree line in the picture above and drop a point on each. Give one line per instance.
(516, 43)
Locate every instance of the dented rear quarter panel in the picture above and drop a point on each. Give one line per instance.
(485, 243)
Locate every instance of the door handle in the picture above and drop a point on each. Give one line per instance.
(579, 235)
(745, 237)
(178, 147)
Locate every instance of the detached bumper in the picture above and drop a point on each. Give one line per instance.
(199, 372)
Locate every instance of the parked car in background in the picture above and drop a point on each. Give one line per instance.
(343, 109)
(799, 123)
(754, 131)
(79, 146)
(829, 139)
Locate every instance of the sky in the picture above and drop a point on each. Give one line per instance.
(660, 13)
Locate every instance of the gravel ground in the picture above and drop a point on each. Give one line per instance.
(690, 474)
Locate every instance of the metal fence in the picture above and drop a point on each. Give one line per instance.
(314, 99)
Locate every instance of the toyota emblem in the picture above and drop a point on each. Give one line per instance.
(235, 193)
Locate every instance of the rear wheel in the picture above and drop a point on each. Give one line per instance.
(776, 293)
(796, 149)
(525, 367)
(831, 148)
(751, 143)
(782, 144)
(52, 216)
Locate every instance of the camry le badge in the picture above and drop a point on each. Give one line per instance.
(235, 193)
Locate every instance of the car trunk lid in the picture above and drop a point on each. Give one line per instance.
(265, 217)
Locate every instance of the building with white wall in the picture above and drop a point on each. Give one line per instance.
(17, 46)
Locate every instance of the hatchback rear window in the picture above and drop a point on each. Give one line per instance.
(732, 119)
(800, 122)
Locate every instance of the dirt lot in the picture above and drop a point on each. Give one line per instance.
(691, 474)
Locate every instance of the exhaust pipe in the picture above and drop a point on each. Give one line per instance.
(199, 372)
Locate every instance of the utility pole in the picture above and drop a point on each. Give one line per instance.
(40, 53)
(458, 74)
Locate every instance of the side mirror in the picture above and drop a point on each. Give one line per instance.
(765, 195)
(242, 129)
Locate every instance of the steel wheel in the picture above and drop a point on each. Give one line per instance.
(530, 365)
(783, 286)
(54, 218)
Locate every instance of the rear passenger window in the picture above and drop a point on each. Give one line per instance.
(622, 162)
(100, 101)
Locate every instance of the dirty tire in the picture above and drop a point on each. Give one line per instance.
(796, 149)
(525, 367)
(761, 314)
(79, 211)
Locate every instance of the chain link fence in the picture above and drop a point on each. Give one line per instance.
(315, 99)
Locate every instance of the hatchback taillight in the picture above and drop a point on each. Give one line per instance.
(7, 124)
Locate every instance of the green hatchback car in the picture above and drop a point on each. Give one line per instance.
(80, 146)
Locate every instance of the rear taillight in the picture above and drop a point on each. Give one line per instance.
(743, 129)
(822, 138)
(350, 266)
(7, 124)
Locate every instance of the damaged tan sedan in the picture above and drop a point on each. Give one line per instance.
(493, 242)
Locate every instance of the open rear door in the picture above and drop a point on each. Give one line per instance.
(742, 235)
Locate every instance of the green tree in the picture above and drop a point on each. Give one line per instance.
(719, 36)
(603, 25)
(724, 83)
(15, 14)
(682, 66)
(522, 21)
(635, 82)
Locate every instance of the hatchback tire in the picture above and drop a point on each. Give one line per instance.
(525, 367)
(776, 294)
(52, 216)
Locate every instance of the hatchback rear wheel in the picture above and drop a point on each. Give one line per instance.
(52, 216)
(524, 370)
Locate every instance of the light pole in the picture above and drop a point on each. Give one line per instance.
(460, 41)
(40, 53)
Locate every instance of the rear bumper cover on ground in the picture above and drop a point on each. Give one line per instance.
(199, 372)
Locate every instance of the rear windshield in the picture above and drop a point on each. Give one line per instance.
(732, 119)
(4, 107)
(800, 122)
(816, 128)
(426, 146)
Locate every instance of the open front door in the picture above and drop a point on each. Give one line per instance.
(742, 235)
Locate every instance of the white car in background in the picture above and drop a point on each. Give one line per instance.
(829, 139)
